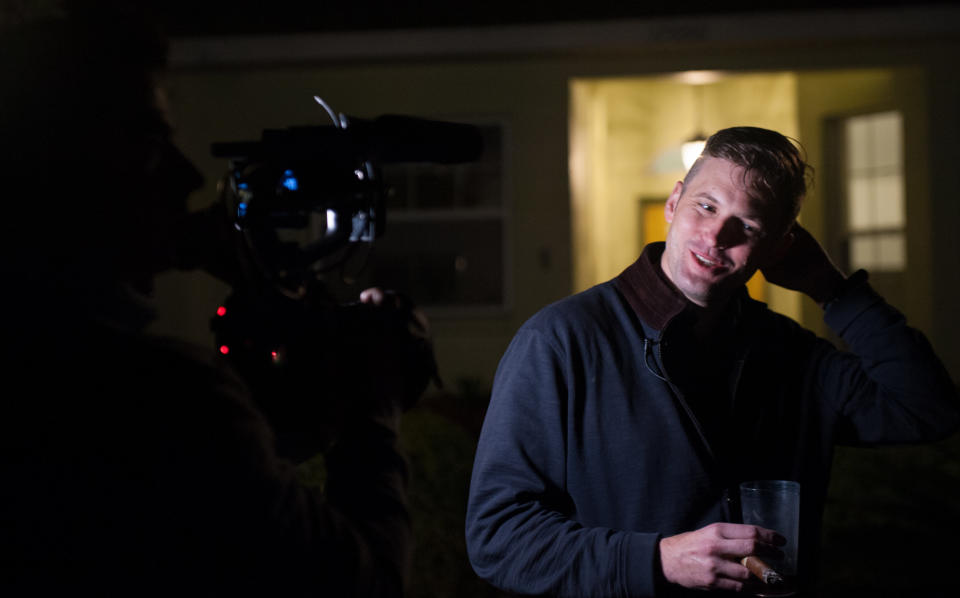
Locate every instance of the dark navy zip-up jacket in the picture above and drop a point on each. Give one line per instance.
(590, 453)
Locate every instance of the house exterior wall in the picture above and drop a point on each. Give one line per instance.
(233, 88)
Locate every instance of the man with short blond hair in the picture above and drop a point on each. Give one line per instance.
(623, 418)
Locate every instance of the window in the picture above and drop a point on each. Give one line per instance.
(875, 203)
(444, 241)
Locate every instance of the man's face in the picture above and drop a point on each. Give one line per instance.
(158, 179)
(719, 234)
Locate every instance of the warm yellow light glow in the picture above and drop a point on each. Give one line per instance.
(625, 157)
(699, 77)
(691, 150)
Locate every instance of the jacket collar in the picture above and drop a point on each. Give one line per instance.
(656, 301)
(649, 292)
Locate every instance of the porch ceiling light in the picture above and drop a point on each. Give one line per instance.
(691, 150)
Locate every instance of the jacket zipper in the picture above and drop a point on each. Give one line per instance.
(727, 500)
(683, 403)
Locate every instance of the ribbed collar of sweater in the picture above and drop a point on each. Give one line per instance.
(649, 292)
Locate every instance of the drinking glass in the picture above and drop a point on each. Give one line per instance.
(775, 504)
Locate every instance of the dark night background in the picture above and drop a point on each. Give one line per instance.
(291, 16)
(894, 512)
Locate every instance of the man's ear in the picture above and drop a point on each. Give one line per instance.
(670, 208)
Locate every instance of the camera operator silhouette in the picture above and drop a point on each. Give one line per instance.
(133, 465)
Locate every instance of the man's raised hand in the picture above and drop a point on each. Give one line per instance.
(804, 266)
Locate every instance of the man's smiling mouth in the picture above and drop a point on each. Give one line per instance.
(707, 262)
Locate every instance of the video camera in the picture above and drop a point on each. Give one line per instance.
(326, 179)
(300, 200)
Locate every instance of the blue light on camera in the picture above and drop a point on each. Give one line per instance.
(289, 181)
(241, 209)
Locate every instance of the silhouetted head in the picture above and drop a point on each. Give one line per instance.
(91, 178)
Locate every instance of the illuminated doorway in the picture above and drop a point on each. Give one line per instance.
(626, 135)
(626, 154)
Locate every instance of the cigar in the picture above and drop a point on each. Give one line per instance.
(765, 572)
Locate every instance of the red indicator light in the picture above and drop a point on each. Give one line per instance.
(221, 311)
(224, 349)
(274, 355)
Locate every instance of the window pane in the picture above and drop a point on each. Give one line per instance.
(891, 252)
(857, 131)
(398, 182)
(887, 142)
(889, 201)
(859, 208)
(863, 251)
(879, 252)
(434, 188)
(480, 188)
(440, 262)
